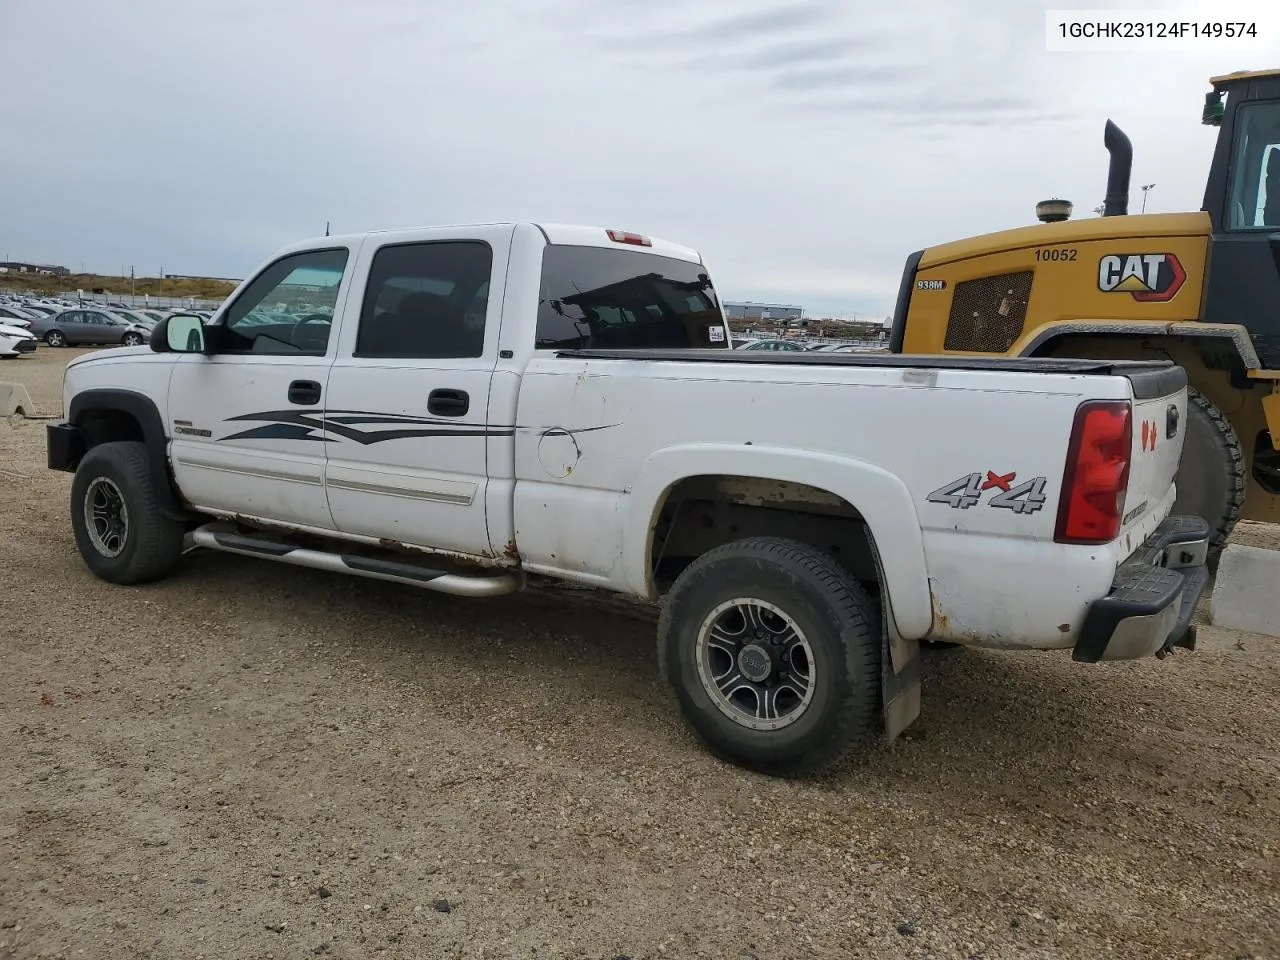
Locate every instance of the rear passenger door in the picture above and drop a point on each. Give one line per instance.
(408, 399)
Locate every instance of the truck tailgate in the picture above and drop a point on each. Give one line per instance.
(1159, 423)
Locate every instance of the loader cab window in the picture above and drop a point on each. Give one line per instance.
(1255, 184)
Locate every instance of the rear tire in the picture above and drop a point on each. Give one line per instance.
(1211, 476)
(120, 531)
(773, 653)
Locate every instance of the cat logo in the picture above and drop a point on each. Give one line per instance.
(1148, 277)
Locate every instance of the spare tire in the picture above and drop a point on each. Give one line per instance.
(1211, 476)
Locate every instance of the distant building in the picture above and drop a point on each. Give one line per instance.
(43, 269)
(746, 310)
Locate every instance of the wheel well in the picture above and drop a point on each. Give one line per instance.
(1199, 355)
(106, 415)
(703, 512)
(100, 425)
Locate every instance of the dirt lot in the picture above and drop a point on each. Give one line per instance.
(251, 760)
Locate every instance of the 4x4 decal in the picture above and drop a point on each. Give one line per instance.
(967, 491)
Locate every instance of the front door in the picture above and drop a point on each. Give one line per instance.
(247, 423)
(1243, 283)
(407, 405)
(83, 327)
(101, 329)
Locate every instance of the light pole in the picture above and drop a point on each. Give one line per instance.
(1145, 188)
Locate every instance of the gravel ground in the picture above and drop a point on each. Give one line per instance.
(252, 760)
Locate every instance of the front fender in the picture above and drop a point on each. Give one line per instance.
(145, 412)
(882, 498)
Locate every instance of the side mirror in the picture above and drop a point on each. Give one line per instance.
(180, 333)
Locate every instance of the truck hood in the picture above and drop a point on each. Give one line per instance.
(114, 353)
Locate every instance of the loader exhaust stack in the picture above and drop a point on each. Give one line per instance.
(1121, 150)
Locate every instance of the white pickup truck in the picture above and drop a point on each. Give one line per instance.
(459, 408)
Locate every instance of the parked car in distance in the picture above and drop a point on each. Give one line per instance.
(135, 316)
(12, 316)
(90, 327)
(15, 341)
(771, 344)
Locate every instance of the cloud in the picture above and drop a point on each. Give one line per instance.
(806, 149)
(728, 30)
(839, 76)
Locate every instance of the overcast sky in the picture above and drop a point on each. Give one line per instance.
(805, 146)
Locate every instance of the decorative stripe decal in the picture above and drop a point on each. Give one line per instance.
(337, 425)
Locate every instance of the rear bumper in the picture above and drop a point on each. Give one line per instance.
(1153, 596)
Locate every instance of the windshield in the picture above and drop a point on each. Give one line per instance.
(1255, 186)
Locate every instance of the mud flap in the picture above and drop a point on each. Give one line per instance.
(899, 681)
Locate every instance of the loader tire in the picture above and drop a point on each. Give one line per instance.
(1211, 476)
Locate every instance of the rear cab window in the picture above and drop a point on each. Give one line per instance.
(600, 298)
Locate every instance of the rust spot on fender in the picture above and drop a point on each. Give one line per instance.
(510, 551)
(941, 622)
(1064, 628)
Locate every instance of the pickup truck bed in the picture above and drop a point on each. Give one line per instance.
(1151, 378)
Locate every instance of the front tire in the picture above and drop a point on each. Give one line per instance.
(120, 531)
(1211, 476)
(55, 338)
(773, 653)
(132, 340)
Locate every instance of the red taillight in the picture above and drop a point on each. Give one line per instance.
(1097, 475)
(621, 236)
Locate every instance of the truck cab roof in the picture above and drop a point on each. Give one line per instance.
(559, 234)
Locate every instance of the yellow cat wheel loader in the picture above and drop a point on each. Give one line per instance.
(1201, 289)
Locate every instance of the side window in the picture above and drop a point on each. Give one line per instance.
(1267, 211)
(426, 301)
(1255, 188)
(92, 318)
(619, 299)
(288, 308)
